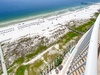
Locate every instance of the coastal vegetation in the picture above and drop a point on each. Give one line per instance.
(31, 69)
(40, 49)
(21, 70)
(67, 37)
(0, 72)
(59, 61)
(20, 60)
(97, 13)
(86, 26)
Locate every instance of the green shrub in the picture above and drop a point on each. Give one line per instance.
(21, 70)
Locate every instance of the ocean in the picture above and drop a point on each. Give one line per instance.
(16, 9)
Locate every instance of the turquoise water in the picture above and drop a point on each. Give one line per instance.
(16, 9)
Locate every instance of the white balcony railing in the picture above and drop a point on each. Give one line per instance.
(3, 62)
(92, 60)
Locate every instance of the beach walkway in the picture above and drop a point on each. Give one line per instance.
(37, 57)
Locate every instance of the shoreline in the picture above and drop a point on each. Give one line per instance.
(42, 15)
(42, 26)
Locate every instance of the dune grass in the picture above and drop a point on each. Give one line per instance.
(50, 57)
(36, 52)
(35, 68)
(67, 37)
(21, 70)
(86, 26)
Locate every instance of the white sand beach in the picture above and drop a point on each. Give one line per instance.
(43, 26)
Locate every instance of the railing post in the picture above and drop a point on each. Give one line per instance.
(91, 63)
